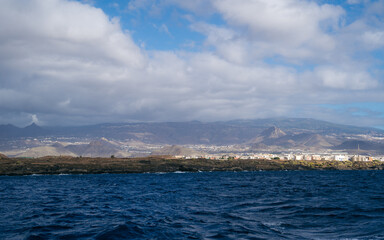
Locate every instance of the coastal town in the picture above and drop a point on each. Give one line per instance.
(333, 156)
(196, 140)
(73, 155)
(236, 152)
(40, 147)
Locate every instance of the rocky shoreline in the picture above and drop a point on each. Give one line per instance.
(78, 165)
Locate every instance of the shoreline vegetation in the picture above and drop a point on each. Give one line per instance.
(153, 164)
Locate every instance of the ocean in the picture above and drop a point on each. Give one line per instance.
(204, 205)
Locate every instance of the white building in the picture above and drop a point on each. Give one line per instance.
(340, 157)
(298, 157)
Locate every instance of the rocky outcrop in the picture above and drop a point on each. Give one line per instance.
(273, 132)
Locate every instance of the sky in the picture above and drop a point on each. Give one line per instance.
(90, 61)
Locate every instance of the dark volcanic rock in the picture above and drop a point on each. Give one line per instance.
(33, 130)
(76, 165)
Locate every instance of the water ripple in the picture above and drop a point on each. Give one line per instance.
(248, 205)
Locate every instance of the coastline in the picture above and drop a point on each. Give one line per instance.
(153, 164)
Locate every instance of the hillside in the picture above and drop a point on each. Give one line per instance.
(275, 137)
(45, 151)
(176, 151)
(97, 148)
(363, 146)
(261, 134)
(33, 130)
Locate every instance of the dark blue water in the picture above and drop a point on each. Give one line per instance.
(217, 205)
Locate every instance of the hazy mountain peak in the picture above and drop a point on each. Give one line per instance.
(273, 132)
(99, 142)
(100, 148)
(33, 126)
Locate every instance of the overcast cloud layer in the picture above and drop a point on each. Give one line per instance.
(69, 63)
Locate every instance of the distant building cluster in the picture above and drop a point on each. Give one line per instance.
(290, 156)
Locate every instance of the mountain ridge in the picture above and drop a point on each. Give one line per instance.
(259, 133)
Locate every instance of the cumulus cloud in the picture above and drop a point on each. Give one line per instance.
(290, 23)
(59, 51)
(346, 80)
(374, 39)
(69, 63)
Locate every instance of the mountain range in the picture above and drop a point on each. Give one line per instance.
(275, 137)
(33, 130)
(236, 131)
(266, 134)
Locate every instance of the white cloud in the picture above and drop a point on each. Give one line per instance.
(374, 39)
(294, 30)
(345, 79)
(291, 22)
(35, 119)
(69, 27)
(53, 51)
(69, 63)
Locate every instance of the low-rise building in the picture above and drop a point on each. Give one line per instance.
(341, 157)
(307, 157)
(298, 157)
(360, 158)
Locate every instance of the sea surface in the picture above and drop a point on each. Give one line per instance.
(206, 205)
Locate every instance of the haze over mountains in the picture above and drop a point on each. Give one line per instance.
(231, 132)
(261, 134)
